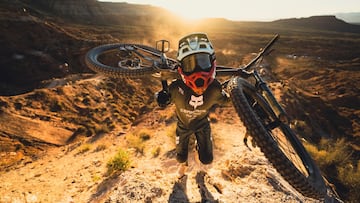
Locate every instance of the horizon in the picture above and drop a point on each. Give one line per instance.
(228, 9)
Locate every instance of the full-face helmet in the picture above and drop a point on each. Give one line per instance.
(197, 61)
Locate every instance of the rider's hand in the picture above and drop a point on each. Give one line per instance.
(162, 98)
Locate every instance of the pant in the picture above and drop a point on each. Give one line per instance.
(204, 143)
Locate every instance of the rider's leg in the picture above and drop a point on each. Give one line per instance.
(182, 169)
(182, 142)
(204, 144)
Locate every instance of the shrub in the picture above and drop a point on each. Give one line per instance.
(144, 135)
(350, 174)
(100, 147)
(156, 152)
(84, 148)
(136, 140)
(56, 106)
(330, 152)
(334, 158)
(136, 143)
(101, 128)
(120, 162)
(96, 178)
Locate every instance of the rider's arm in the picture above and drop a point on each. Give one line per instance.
(163, 98)
(222, 97)
(166, 96)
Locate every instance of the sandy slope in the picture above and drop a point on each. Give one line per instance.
(72, 174)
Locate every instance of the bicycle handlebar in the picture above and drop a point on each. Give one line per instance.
(262, 52)
(220, 70)
(243, 71)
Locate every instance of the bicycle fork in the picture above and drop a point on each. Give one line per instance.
(270, 98)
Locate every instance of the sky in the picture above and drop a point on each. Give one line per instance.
(252, 10)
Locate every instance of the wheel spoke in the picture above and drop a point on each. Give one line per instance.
(289, 151)
(273, 126)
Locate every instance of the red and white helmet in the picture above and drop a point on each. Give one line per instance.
(197, 61)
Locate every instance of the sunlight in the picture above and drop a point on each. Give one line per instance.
(195, 10)
(190, 10)
(255, 10)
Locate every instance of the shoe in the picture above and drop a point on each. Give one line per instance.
(205, 167)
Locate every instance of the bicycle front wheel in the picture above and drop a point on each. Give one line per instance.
(276, 140)
(122, 60)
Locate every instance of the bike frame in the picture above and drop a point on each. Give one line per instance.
(265, 119)
(244, 72)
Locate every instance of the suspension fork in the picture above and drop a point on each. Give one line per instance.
(269, 97)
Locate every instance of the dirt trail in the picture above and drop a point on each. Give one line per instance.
(76, 172)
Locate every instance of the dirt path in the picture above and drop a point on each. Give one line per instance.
(76, 173)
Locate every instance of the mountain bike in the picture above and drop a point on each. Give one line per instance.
(265, 119)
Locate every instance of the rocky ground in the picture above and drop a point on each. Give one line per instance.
(77, 172)
(60, 124)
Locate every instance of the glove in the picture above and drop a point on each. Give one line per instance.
(162, 98)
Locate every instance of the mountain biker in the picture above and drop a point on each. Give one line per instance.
(194, 95)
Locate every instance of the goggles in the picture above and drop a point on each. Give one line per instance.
(196, 63)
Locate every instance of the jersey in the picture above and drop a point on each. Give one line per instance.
(192, 110)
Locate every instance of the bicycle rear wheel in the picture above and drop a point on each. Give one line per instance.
(123, 60)
(277, 141)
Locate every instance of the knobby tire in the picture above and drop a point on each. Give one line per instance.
(313, 185)
(93, 62)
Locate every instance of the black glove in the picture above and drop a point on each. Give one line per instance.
(162, 98)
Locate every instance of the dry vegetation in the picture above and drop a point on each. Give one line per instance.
(319, 71)
(335, 157)
(86, 108)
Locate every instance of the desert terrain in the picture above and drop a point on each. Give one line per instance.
(60, 123)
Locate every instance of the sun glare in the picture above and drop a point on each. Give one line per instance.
(195, 10)
(254, 10)
(189, 10)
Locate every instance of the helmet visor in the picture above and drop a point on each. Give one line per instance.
(196, 62)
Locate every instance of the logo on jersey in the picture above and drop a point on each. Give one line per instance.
(196, 101)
